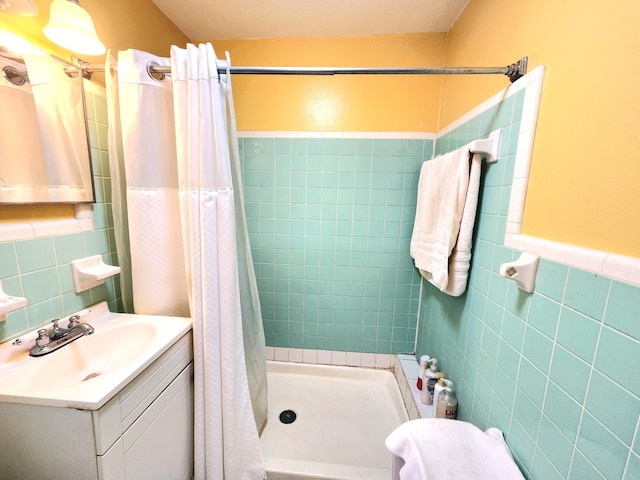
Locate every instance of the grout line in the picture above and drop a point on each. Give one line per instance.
(631, 452)
(593, 361)
(415, 342)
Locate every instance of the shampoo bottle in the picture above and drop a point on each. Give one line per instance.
(439, 386)
(431, 376)
(447, 404)
(432, 381)
(424, 360)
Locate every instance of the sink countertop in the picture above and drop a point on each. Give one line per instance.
(19, 371)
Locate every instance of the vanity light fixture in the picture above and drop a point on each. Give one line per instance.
(71, 27)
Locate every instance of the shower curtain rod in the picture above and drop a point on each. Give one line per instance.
(513, 71)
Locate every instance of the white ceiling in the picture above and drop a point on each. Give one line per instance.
(231, 19)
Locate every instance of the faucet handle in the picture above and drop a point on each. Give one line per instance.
(43, 337)
(73, 321)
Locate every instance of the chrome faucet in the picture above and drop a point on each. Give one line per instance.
(57, 331)
(57, 337)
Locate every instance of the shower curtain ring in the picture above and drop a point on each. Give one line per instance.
(153, 73)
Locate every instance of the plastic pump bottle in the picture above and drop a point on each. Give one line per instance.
(424, 360)
(447, 404)
(439, 387)
(431, 376)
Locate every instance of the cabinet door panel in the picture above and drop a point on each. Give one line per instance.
(111, 464)
(159, 444)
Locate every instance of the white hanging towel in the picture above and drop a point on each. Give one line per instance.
(460, 259)
(445, 216)
(442, 449)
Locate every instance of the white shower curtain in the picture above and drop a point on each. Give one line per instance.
(184, 247)
(222, 396)
(155, 232)
(118, 184)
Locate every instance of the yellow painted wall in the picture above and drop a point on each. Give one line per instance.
(335, 103)
(120, 24)
(585, 176)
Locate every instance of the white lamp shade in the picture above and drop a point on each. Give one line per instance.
(71, 27)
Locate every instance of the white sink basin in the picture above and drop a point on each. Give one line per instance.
(87, 372)
(105, 351)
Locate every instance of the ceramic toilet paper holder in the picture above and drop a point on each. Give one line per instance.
(522, 271)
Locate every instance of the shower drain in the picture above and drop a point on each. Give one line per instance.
(288, 416)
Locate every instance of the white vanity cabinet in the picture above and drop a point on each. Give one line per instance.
(143, 432)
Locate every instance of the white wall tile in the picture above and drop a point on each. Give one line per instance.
(309, 356)
(353, 359)
(338, 358)
(384, 360)
(270, 353)
(324, 357)
(295, 355)
(281, 354)
(368, 360)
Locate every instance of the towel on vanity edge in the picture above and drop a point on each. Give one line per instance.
(441, 449)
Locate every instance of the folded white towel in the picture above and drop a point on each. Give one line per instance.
(460, 258)
(439, 449)
(447, 200)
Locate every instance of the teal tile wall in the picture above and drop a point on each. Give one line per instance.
(330, 222)
(556, 371)
(40, 269)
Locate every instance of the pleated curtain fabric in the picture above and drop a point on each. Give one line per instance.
(181, 162)
(118, 184)
(155, 232)
(252, 328)
(226, 437)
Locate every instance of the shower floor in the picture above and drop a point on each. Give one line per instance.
(342, 417)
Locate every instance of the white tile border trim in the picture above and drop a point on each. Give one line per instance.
(330, 357)
(618, 267)
(82, 222)
(350, 134)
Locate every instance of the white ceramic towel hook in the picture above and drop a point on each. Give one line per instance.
(9, 303)
(522, 271)
(90, 272)
(490, 147)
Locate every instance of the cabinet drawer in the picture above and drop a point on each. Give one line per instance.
(142, 391)
(159, 444)
(114, 418)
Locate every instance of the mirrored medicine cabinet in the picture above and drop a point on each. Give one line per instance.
(44, 147)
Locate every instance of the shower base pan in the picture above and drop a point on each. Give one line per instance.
(329, 423)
